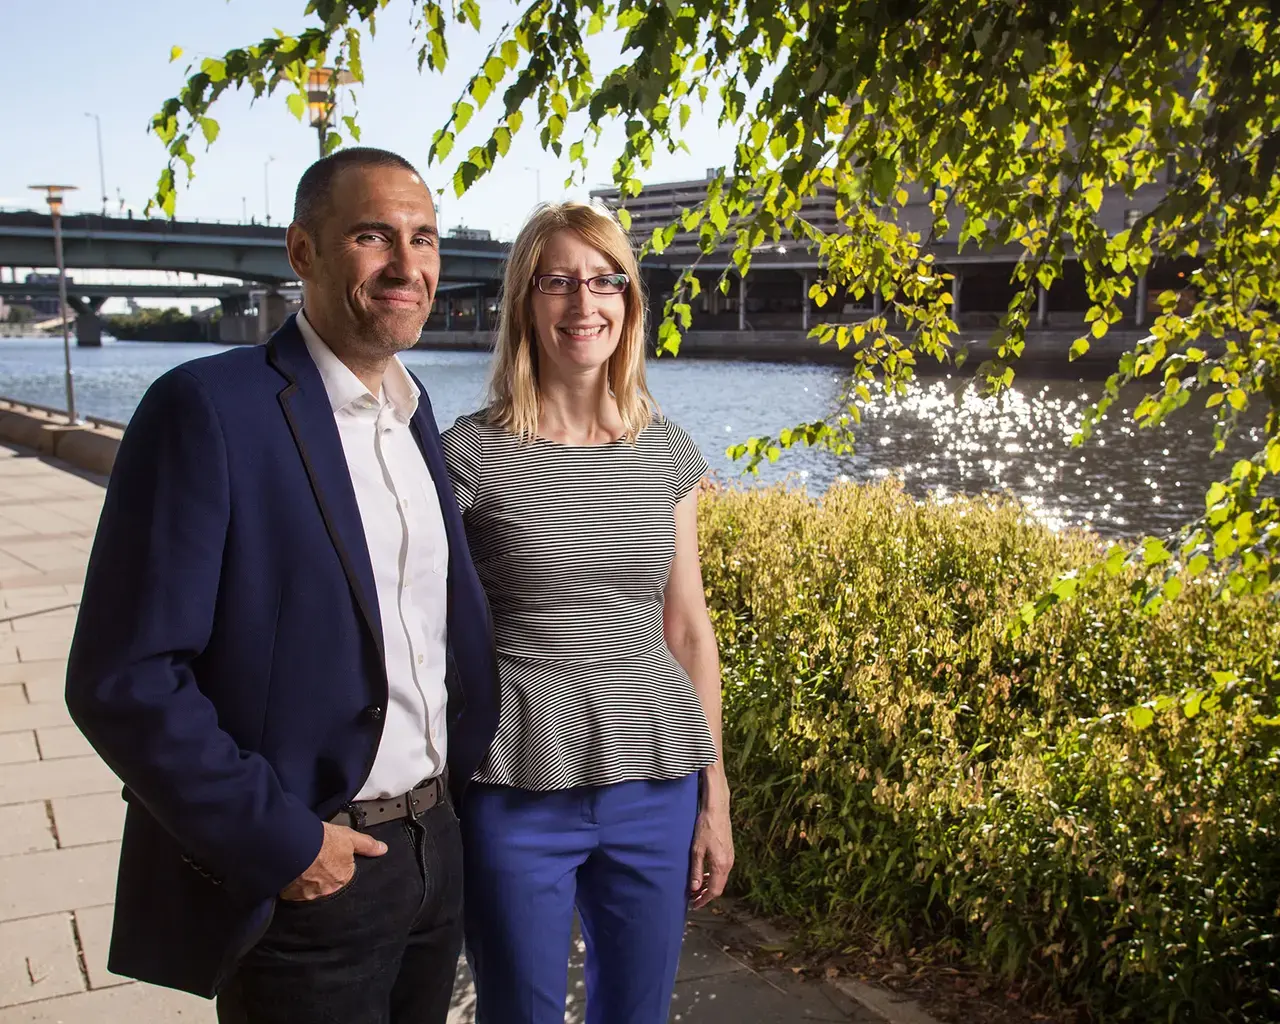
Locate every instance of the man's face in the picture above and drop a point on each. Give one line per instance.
(371, 261)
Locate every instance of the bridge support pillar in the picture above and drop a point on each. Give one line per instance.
(481, 324)
(448, 313)
(271, 314)
(957, 281)
(88, 323)
(1042, 307)
(742, 302)
(1140, 302)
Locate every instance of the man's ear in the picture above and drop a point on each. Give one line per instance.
(301, 247)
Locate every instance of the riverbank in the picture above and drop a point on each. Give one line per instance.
(1045, 355)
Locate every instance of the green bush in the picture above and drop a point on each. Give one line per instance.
(904, 767)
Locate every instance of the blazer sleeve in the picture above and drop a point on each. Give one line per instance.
(146, 614)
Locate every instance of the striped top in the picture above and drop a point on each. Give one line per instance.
(574, 546)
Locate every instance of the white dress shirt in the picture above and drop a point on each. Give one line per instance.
(409, 551)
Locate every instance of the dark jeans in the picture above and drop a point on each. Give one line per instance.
(381, 950)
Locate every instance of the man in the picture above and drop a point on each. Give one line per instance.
(282, 643)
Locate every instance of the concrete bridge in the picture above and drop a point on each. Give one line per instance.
(251, 254)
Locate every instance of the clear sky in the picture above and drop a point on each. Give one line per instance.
(63, 58)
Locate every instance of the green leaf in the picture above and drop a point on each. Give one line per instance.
(1141, 717)
(624, 218)
(1191, 704)
(175, 53)
(215, 69)
(462, 111)
(883, 175)
(1078, 348)
(297, 104)
(442, 147)
(210, 129)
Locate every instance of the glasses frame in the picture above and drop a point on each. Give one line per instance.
(578, 282)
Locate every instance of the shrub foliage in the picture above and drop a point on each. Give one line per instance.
(1087, 803)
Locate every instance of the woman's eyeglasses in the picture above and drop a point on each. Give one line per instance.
(559, 284)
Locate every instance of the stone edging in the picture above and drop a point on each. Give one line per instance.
(90, 448)
(892, 1007)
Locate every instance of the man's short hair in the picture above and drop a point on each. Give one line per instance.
(315, 188)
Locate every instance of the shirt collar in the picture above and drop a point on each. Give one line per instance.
(343, 387)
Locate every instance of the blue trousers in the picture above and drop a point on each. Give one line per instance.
(619, 853)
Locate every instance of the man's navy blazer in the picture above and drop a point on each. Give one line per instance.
(228, 662)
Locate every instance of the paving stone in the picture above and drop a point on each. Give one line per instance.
(58, 880)
(18, 746)
(38, 960)
(94, 927)
(62, 621)
(25, 672)
(84, 820)
(48, 780)
(26, 830)
(124, 1004)
(12, 695)
(43, 648)
(62, 741)
(749, 997)
(47, 690)
(702, 957)
(21, 717)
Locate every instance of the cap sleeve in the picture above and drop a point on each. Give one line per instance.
(688, 464)
(462, 455)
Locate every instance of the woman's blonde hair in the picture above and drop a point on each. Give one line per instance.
(513, 382)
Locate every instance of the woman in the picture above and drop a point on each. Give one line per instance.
(605, 785)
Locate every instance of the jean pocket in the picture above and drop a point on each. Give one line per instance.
(332, 897)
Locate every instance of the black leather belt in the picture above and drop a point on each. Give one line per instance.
(362, 814)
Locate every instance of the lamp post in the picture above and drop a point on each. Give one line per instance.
(102, 174)
(53, 193)
(320, 102)
(266, 188)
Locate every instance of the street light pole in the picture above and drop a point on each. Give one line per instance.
(319, 101)
(53, 193)
(266, 188)
(537, 181)
(102, 174)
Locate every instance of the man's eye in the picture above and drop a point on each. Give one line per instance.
(370, 238)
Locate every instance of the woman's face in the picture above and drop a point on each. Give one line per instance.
(577, 328)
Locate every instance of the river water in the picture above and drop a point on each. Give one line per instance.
(943, 436)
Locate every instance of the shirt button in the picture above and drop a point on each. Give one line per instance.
(373, 713)
(419, 659)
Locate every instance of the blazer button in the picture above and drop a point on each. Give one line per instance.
(373, 713)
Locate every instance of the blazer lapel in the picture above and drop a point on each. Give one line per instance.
(310, 418)
(428, 438)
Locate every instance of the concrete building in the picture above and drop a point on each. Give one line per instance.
(774, 295)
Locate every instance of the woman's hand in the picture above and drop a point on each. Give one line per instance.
(711, 858)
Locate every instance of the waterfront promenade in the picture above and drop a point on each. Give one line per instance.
(62, 811)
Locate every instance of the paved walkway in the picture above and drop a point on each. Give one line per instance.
(62, 812)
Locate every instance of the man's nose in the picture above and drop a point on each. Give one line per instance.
(405, 263)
